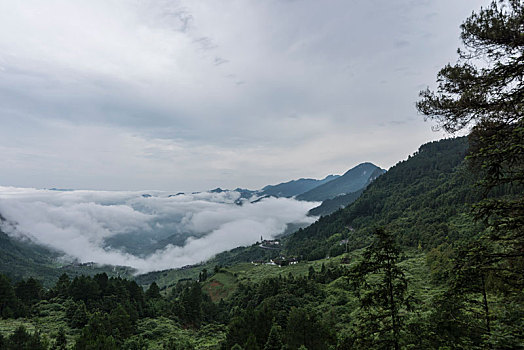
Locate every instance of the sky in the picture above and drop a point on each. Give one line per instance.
(193, 95)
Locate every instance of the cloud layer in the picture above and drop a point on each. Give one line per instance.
(80, 223)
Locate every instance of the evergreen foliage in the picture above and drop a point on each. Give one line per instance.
(484, 90)
(423, 199)
(382, 287)
(274, 339)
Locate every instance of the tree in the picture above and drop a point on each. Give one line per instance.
(202, 276)
(153, 292)
(191, 305)
(136, 343)
(84, 288)
(463, 314)
(8, 301)
(305, 328)
(62, 285)
(121, 323)
(29, 291)
(96, 334)
(79, 316)
(486, 84)
(274, 339)
(22, 340)
(382, 288)
(60, 340)
(251, 343)
(178, 344)
(485, 90)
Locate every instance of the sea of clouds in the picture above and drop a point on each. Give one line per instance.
(86, 225)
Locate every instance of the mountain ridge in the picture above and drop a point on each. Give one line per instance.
(295, 187)
(403, 200)
(352, 180)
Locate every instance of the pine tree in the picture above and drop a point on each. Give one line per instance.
(30, 291)
(80, 317)
(382, 288)
(202, 275)
(485, 90)
(274, 340)
(191, 304)
(462, 315)
(8, 300)
(119, 320)
(96, 334)
(305, 328)
(153, 292)
(62, 285)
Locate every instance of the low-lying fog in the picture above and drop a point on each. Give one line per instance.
(145, 230)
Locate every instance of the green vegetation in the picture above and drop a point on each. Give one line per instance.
(331, 205)
(426, 200)
(429, 257)
(21, 259)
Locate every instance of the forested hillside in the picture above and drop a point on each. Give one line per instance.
(331, 205)
(22, 259)
(425, 200)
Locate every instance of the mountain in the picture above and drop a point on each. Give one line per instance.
(21, 258)
(331, 205)
(295, 187)
(425, 200)
(352, 181)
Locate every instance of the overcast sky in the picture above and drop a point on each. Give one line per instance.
(191, 95)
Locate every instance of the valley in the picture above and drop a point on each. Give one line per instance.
(222, 107)
(424, 200)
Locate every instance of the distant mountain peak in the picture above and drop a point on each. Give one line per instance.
(295, 187)
(353, 180)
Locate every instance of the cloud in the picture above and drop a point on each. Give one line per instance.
(120, 85)
(81, 223)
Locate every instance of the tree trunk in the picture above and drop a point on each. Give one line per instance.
(394, 324)
(486, 308)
